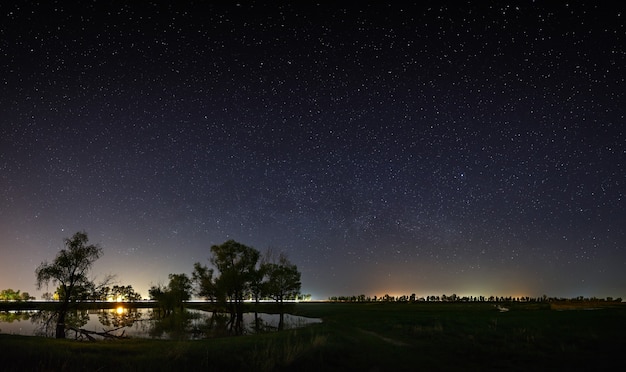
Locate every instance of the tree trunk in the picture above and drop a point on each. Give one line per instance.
(257, 321)
(239, 321)
(281, 322)
(60, 329)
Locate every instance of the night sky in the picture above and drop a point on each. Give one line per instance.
(475, 149)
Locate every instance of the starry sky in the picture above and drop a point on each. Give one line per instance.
(429, 148)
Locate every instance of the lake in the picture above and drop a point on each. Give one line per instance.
(145, 323)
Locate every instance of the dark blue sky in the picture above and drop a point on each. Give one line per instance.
(475, 149)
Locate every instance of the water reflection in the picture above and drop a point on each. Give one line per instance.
(118, 317)
(146, 323)
(44, 322)
(14, 316)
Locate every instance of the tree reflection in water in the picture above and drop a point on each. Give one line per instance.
(174, 324)
(150, 323)
(186, 324)
(45, 321)
(14, 316)
(120, 317)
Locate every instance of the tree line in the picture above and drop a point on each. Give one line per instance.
(15, 296)
(237, 273)
(455, 298)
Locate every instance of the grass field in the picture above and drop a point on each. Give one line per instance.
(363, 337)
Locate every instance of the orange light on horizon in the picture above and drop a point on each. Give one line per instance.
(119, 310)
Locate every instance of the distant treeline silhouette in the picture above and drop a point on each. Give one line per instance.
(455, 298)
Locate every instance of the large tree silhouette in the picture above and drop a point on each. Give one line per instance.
(283, 279)
(236, 264)
(69, 269)
(174, 294)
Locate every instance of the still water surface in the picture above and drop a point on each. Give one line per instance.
(146, 323)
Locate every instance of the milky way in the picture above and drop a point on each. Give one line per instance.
(429, 149)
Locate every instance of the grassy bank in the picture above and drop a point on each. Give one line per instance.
(362, 337)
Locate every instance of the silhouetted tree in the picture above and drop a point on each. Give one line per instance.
(179, 288)
(104, 294)
(204, 281)
(283, 279)
(119, 293)
(79, 293)
(17, 296)
(282, 282)
(236, 264)
(69, 269)
(159, 294)
(174, 294)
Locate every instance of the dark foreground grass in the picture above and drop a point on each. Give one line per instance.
(362, 337)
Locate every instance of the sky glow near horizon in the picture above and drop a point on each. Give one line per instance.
(475, 149)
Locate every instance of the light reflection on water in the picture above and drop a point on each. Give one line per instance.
(145, 323)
